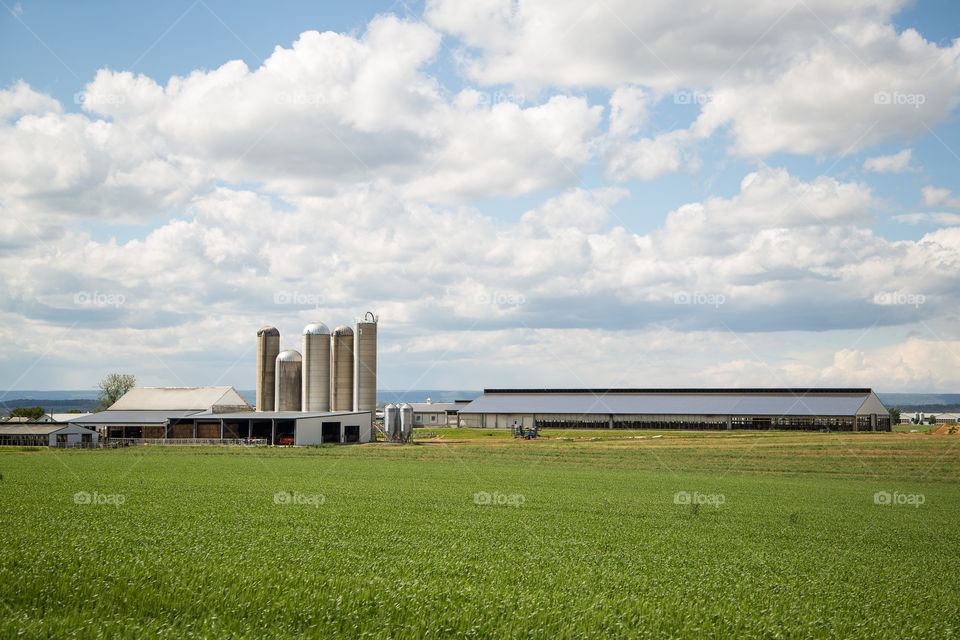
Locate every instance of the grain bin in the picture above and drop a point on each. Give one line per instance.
(391, 421)
(268, 346)
(341, 366)
(365, 368)
(316, 367)
(406, 421)
(289, 383)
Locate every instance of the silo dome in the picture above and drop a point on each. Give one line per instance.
(269, 331)
(289, 356)
(343, 330)
(316, 328)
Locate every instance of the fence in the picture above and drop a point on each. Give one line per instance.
(180, 442)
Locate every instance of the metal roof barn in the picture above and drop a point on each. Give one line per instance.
(701, 408)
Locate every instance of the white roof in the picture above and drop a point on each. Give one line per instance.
(177, 398)
(66, 417)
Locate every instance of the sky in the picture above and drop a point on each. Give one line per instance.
(527, 193)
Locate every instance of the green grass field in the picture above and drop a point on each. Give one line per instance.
(505, 538)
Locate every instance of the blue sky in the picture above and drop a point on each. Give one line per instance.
(526, 192)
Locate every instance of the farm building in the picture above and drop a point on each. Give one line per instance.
(159, 412)
(436, 414)
(285, 427)
(47, 434)
(800, 409)
(215, 413)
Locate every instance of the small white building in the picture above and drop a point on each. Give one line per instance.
(48, 434)
(437, 414)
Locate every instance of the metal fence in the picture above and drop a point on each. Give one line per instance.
(180, 442)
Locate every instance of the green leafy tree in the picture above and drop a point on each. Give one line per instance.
(34, 413)
(894, 415)
(112, 387)
(932, 420)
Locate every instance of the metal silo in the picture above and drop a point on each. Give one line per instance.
(289, 365)
(365, 370)
(391, 421)
(316, 367)
(341, 366)
(268, 346)
(406, 421)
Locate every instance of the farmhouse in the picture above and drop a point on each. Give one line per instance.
(799, 409)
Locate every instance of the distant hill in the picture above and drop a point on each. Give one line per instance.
(926, 402)
(51, 406)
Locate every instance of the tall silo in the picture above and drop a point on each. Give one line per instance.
(289, 371)
(268, 346)
(365, 370)
(316, 367)
(341, 367)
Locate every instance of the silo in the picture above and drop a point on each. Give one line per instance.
(289, 365)
(268, 346)
(341, 366)
(316, 367)
(406, 421)
(391, 421)
(365, 370)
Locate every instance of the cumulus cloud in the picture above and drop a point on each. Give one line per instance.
(896, 163)
(340, 176)
(938, 197)
(812, 77)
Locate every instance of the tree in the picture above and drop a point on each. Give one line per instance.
(34, 413)
(932, 419)
(894, 415)
(112, 387)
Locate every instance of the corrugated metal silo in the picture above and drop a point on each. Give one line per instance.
(341, 366)
(391, 421)
(289, 371)
(365, 371)
(406, 421)
(268, 346)
(316, 367)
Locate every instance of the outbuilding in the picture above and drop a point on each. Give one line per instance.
(48, 434)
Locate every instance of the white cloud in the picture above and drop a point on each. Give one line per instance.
(896, 163)
(811, 77)
(937, 197)
(940, 218)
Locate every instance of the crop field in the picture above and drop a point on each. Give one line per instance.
(726, 535)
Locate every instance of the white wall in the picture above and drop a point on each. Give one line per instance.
(309, 431)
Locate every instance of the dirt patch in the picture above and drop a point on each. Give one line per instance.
(947, 430)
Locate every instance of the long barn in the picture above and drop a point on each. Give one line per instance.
(796, 409)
